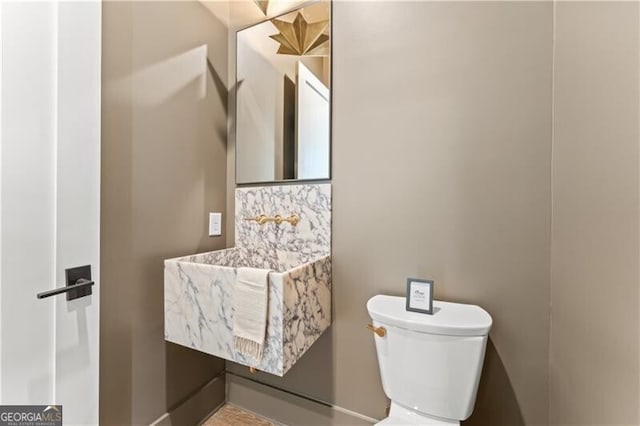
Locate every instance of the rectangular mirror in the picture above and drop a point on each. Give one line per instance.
(283, 97)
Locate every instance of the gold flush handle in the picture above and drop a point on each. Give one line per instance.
(380, 331)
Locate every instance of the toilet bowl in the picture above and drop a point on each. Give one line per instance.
(430, 365)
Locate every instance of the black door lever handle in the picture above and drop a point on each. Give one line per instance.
(81, 283)
(78, 284)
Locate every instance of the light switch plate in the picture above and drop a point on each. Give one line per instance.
(215, 224)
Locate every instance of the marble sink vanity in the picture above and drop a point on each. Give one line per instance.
(199, 289)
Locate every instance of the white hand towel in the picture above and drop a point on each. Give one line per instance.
(250, 302)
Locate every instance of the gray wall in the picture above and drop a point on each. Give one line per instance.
(594, 289)
(441, 169)
(163, 169)
(459, 96)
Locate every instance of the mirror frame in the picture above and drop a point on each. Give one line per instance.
(235, 102)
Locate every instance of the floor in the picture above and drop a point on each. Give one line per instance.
(229, 415)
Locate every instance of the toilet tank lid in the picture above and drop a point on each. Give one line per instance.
(450, 319)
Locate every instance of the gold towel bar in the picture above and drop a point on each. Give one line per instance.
(294, 219)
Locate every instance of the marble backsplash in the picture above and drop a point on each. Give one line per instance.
(293, 245)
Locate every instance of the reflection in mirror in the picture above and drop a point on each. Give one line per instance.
(283, 97)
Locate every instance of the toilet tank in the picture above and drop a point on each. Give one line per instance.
(431, 363)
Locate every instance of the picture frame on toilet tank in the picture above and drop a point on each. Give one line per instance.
(420, 296)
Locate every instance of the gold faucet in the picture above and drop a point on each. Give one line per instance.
(262, 219)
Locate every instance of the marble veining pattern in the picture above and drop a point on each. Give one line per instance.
(295, 245)
(307, 307)
(199, 312)
(199, 288)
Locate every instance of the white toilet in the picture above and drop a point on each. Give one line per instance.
(430, 364)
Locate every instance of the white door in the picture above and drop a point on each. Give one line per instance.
(49, 203)
(312, 126)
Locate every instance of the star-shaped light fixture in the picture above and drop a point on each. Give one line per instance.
(301, 38)
(263, 5)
